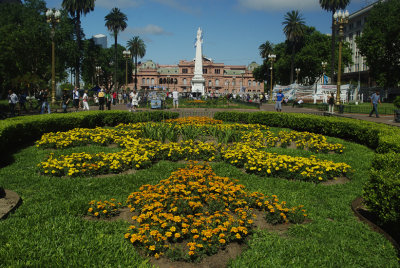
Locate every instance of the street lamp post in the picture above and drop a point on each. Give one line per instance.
(127, 56)
(297, 74)
(53, 17)
(340, 18)
(272, 58)
(98, 72)
(324, 64)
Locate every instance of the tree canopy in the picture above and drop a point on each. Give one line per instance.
(312, 50)
(380, 43)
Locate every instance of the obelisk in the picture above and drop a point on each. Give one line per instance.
(198, 79)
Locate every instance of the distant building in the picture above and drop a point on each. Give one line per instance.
(219, 78)
(101, 40)
(358, 69)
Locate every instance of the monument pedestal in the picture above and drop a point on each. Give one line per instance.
(198, 86)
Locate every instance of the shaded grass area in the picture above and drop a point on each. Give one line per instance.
(47, 230)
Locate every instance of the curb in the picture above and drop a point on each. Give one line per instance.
(356, 206)
(9, 203)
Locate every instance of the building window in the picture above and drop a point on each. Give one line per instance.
(254, 83)
(233, 83)
(359, 23)
(184, 81)
(226, 82)
(148, 81)
(143, 81)
(217, 82)
(209, 83)
(217, 71)
(204, 71)
(357, 66)
(184, 70)
(249, 83)
(350, 26)
(152, 81)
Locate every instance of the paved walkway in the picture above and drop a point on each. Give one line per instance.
(385, 119)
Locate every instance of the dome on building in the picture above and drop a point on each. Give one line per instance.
(252, 66)
(148, 65)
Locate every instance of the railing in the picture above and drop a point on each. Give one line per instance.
(358, 109)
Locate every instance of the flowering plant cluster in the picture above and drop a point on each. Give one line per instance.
(104, 209)
(196, 102)
(314, 142)
(145, 143)
(198, 212)
(200, 120)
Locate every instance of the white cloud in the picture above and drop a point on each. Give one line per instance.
(273, 5)
(109, 4)
(149, 29)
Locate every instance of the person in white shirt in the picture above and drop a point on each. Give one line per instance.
(175, 98)
(134, 101)
(85, 102)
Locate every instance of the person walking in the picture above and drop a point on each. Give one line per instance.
(45, 102)
(108, 99)
(175, 99)
(22, 102)
(75, 99)
(279, 99)
(85, 101)
(134, 101)
(101, 96)
(331, 103)
(65, 101)
(375, 99)
(12, 102)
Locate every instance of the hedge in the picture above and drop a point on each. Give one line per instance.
(382, 191)
(19, 131)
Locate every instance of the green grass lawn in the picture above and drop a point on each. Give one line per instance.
(48, 229)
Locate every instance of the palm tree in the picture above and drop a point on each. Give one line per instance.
(138, 49)
(265, 49)
(115, 23)
(76, 8)
(333, 5)
(294, 31)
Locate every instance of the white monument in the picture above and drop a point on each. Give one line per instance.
(198, 79)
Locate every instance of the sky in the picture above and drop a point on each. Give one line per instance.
(232, 29)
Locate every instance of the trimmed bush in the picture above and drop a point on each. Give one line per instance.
(382, 191)
(18, 131)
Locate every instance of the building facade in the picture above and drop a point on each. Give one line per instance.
(100, 39)
(358, 70)
(219, 78)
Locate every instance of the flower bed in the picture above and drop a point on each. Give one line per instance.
(204, 139)
(195, 212)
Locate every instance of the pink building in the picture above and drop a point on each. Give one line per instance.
(219, 78)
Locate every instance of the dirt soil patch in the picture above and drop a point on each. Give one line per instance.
(8, 203)
(337, 180)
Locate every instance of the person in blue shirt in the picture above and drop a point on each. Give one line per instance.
(375, 99)
(279, 99)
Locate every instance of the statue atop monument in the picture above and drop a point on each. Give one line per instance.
(199, 37)
(198, 79)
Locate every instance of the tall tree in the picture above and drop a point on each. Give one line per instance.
(294, 31)
(333, 6)
(380, 43)
(265, 49)
(76, 8)
(115, 23)
(138, 49)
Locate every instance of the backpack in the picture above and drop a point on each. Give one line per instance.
(101, 94)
